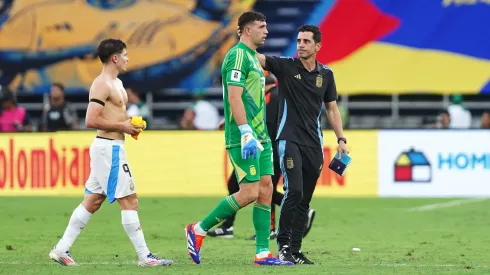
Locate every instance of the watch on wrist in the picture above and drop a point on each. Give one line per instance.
(343, 139)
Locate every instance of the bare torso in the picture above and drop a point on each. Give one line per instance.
(115, 105)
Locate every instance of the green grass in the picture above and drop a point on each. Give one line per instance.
(453, 240)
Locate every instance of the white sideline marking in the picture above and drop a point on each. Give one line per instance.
(453, 203)
(424, 265)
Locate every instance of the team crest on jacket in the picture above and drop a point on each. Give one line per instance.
(289, 163)
(319, 81)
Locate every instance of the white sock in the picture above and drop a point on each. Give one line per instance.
(263, 254)
(79, 219)
(131, 224)
(198, 229)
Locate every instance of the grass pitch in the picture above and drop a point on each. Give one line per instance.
(395, 237)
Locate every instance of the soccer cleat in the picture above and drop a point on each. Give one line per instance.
(221, 232)
(63, 258)
(194, 243)
(285, 254)
(270, 260)
(272, 236)
(300, 258)
(309, 222)
(152, 260)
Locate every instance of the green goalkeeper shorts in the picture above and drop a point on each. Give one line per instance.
(249, 170)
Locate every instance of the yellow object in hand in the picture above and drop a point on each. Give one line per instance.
(138, 121)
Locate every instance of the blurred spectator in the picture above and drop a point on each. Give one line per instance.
(460, 116)
(58, 115)
(485, 120)
(136, 106)
(443, 120)
(13, 118)
(201, 115)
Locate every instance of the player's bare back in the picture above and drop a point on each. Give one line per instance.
(115, 103)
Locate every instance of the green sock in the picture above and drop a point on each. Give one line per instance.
(227, 207)
(262, 222)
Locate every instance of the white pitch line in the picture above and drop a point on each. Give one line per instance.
(453, 203)
(427, 265)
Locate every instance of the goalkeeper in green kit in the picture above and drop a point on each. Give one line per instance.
(247, 141)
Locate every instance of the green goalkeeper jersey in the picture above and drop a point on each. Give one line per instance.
(242, 68)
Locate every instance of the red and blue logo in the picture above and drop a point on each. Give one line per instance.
(412, 166)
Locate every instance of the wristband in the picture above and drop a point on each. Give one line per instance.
(342, 139)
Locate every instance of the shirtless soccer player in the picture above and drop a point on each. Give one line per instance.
(110, 175)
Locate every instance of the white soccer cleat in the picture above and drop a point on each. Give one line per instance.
(152, 260)
(63, 258)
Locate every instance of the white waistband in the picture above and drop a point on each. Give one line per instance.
(104, 141)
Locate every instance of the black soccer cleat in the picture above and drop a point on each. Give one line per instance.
(309, 222)
(285, 254)
(221, 232)
(300, 258)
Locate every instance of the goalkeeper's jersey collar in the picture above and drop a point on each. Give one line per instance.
(242, 45)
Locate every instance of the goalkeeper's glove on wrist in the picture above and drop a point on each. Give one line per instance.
(250, 145)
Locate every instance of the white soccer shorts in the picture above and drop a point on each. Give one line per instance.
(109, 171)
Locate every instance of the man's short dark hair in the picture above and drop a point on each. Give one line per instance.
(59, 85)
(7, 95)
(317, 34)
(249, 17)
(109, 47)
